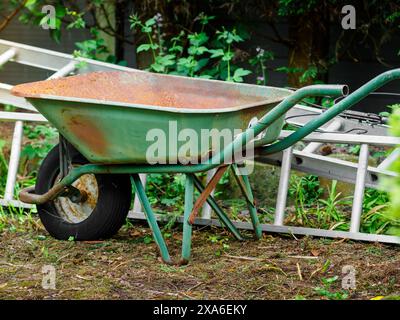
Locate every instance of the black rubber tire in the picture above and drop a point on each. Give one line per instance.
(107, 217)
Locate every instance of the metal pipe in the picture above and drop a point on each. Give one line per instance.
(333, 111)
(289, 102)
(14, 160)
(251, 206)
(359, 189)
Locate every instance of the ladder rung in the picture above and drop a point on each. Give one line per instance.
(64, 71)
(8, 55)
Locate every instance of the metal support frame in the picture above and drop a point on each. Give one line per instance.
(187, 227)
(225, 221)
(151, 219)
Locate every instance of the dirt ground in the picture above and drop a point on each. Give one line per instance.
(128, 267)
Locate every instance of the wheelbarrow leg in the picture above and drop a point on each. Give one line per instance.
(219, 212)
(187, 227)
(151, 219)
(244, 184)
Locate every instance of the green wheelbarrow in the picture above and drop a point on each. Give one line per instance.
(114, 126)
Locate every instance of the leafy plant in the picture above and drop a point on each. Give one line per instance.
(260, 63)
(42, 139)
(222, 242)
(333, 203)
(394, 212)
(306, 191)
(326, 290)
(200, 54)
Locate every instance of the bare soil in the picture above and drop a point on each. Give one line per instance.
(128, 267)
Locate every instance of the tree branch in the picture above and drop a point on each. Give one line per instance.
(11, 16)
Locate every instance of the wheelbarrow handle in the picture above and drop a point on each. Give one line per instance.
(28, 194)
(274, 114)
(333, 111)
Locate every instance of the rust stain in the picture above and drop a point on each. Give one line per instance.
(87, 133)
(88, 184)
(142, 88)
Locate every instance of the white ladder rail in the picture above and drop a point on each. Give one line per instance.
(393, 156)
(14, 161)
(283, 186)
(359, 188)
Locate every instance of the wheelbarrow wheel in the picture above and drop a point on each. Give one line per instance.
(100, 215)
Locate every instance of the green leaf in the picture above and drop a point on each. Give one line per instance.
(30, 3)
(197, 39)
(205, 76)
(201, 64)
(55, 34)
(157, 67)
(167, 60)
(215, 53)
(150, 22)
(228, 56)
(239, 74)
(146, 29)
(193, 50)
(176, 49)
(60, 11)
(143, 47)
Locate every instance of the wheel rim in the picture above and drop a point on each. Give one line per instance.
(78, 212)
